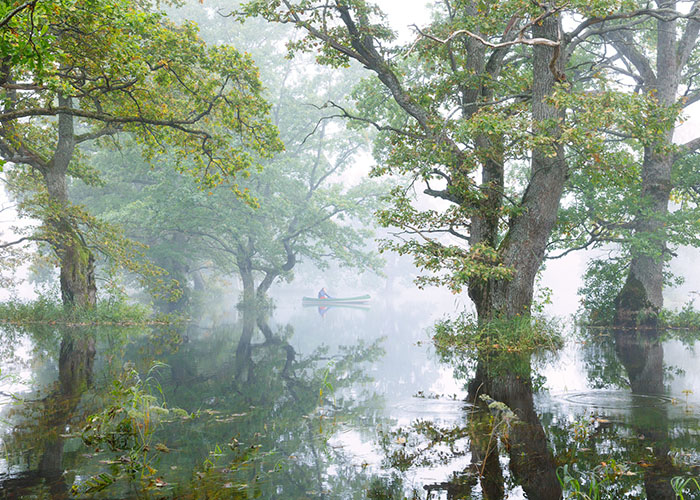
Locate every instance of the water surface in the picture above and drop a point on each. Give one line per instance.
(341, 403)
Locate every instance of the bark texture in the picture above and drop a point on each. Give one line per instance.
(661, 81)
(77, 263)
(524, 247)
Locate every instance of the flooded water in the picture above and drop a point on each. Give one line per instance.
(344, 403)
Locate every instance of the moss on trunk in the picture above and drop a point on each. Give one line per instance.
(78, 286)
(632, 306)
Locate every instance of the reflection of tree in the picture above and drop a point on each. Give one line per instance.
(253, 389)
(264, 409)
(603, 367)
(506, 378)
(642, 355)
(637, 438)
(42, 423)
(501, 396)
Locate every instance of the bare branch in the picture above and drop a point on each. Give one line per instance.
(690, 36)
(347, 114)
(109, 130)
(519, 40)
(689, 147)
(17, 242)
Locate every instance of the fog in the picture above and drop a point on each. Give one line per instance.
(410, 250)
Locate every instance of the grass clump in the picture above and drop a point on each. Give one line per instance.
(688, 317)
(522, 335)
(49, 310)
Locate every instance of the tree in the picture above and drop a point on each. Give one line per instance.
(301, 207)
(675, 45)
(297, 209)
(654, 56)
(139, 74)
(486, 87)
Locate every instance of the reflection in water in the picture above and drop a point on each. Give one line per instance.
(635, 442)
(506, 378)
(262, 412)
(642, 355)
(261, 392)
(46, 421)
(500, 421)
(286, 412)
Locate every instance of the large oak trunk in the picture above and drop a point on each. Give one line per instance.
(76, 261)
(641, 299)
(78, 286)
(523, 248)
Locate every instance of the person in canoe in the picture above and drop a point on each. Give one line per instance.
(323, 294)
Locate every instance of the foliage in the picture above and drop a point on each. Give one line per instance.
(593, 484)
(174, 89)
(388, 488)
(304, 206)
(688, 317)
(679, 484)
(602, 283)
(464, 335)
(141, 75)
(47, 309)
(484, 136)
(656, 76)
(126, 425)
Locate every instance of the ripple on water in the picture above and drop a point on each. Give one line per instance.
(615, 400)
(442, 408)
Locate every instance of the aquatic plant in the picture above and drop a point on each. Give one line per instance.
(688, 317)
(134, 410)
(591, 485)
(521, 334)
(679, 484)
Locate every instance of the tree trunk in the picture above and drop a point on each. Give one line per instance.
(245, 269)
(199, 284)
(265, 285)
(523, 248)
(77, 263)
(178, 272)
(78, 286)
(641, 299)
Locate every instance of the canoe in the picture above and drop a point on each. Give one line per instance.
(336, 300)
(363, 306)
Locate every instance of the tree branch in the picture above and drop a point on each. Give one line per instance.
(17, 242)
(15, 11)
(519, 40)
(690, 36)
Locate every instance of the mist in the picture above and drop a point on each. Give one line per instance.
(344, 250)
